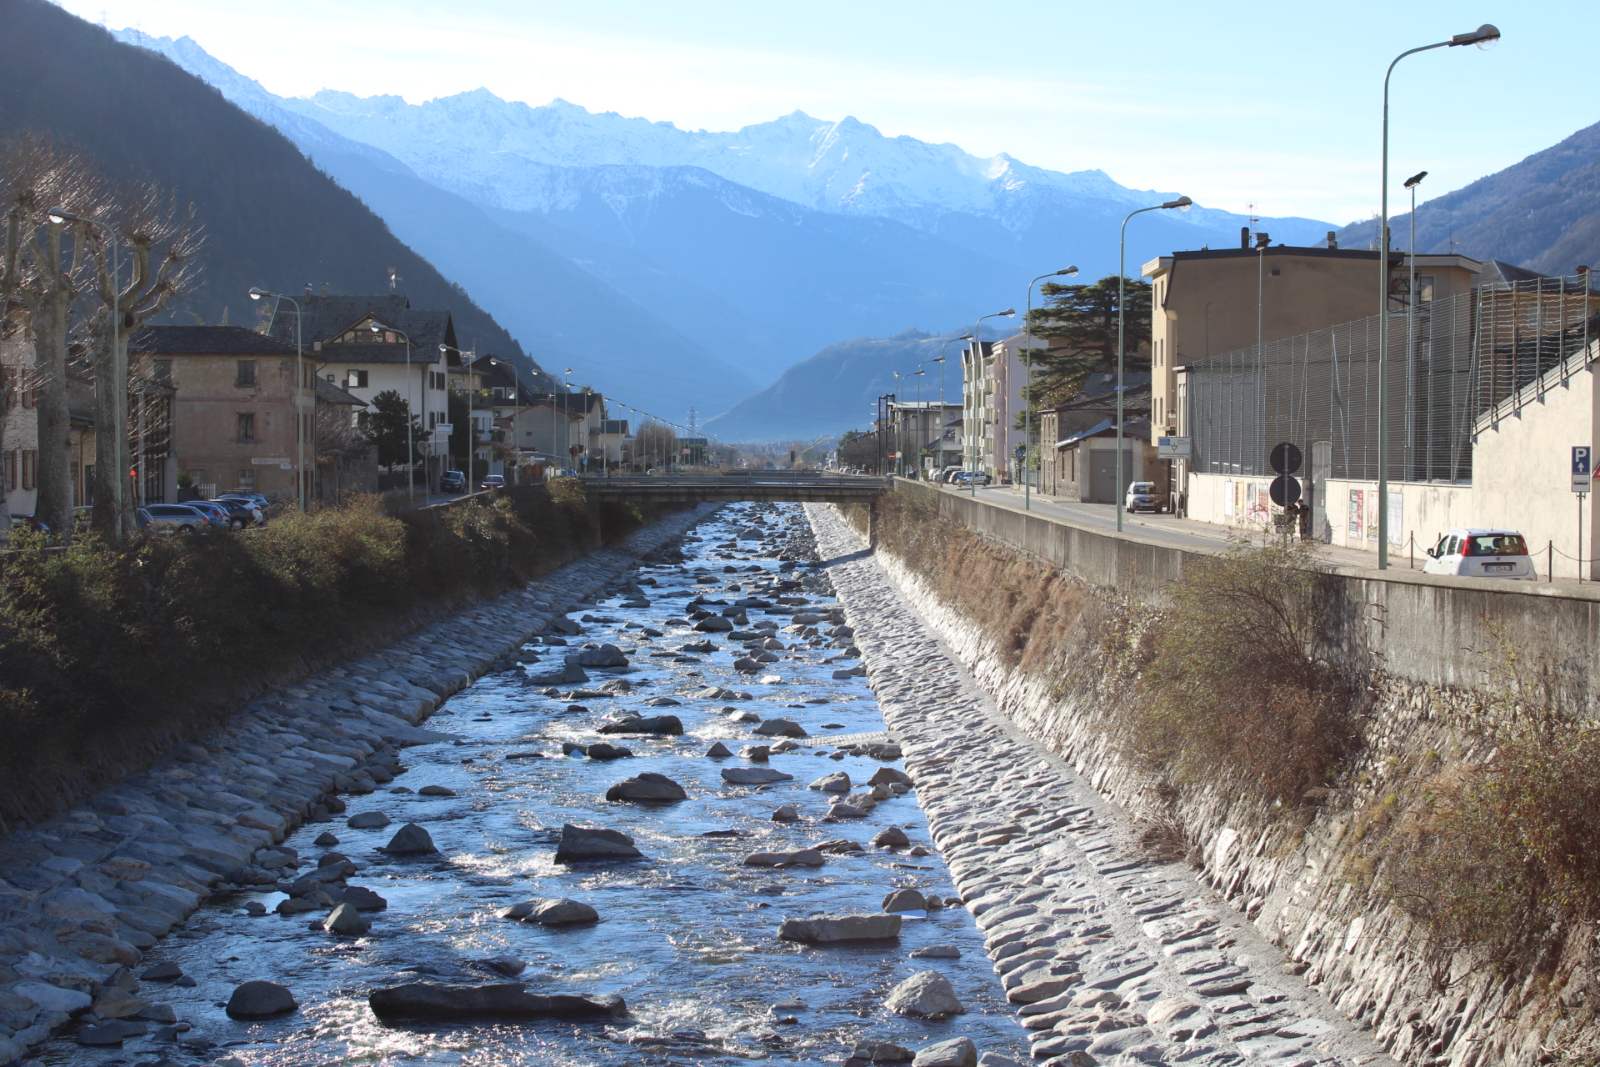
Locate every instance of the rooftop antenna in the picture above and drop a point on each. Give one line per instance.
(394, 278)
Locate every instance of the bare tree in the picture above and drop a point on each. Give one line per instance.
(159, 241)
(45, 275)
(339, 447)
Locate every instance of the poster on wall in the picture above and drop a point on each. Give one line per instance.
(1356, 514)
(1397, 520)
(1227, 498)
(1260, 502)
(1372, 515)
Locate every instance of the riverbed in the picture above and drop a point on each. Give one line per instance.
(687, 935)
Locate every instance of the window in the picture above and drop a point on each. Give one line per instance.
(436, 379)
(247, 478)
(11, 470)
(30, 468)
(246, 374)
(355, 379)
(246, 427)
(1424, 288)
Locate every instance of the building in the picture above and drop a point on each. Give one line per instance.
(376, 344)
(559, 428)
(235, 422)
(611, 448)
(923, 434)
(1212, 301)
(1078, 458)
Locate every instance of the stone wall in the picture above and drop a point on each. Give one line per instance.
(84, 895)
(1306, 886)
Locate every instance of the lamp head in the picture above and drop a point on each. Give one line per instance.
(1483, 36)
(59, 216)
(1181, 203)
(1416, 179)
(1068, 272)
(1008, 313)
(374, 327)
(257, 294)
(444, 348)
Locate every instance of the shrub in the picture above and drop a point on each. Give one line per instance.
(1234, 690)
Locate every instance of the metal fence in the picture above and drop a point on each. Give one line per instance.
(1469, 360)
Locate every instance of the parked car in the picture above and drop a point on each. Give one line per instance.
(218, 514)
(177, 518)
(29, 522)
(255, 508)
(945, 474)
(1474, 553)
(258, 499)
(493, 481)
(1143, 496)
(453, 482)
(969, 478)
(241, 513)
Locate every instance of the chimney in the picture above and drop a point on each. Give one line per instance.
(1244, 237)
(1333, 239)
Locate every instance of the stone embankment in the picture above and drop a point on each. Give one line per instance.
(83, 896)
(1109, 955)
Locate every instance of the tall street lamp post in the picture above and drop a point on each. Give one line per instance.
(1411, 321)
(922, 420)
(411, 461)
(977, 364)
(302, 490)
(1027, 399)
(1122, 339)
(1484, 35)
(566, 425)
(469, 357)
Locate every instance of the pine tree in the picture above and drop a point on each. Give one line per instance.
(1079, 323)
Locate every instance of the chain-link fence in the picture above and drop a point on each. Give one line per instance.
(1460, 363)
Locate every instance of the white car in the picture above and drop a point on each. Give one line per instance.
(1487, 553)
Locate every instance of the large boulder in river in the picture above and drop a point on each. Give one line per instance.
(579, 843)
(925, 995)
(906, 899)
(647, 788)
(601, 750)
(260, 1000)
(837, 782)
(428, 1002)
(754, 776)
(569, 674)
(346, 921)
(802, 857)
(410, 840)
(601, 656)
(840, 929)
(560, 912)
(661, 725)
(957, 1052)
(714, 624)
(780, 728)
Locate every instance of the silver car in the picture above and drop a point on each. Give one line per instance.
(177, 518)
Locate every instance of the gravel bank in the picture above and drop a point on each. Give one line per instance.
(1108, 954)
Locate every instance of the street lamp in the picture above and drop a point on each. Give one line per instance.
(1122, 342)
(977, 343)
(922, 420)
(411, 462)
(1027, 400)
(1411, 318)
(469, 357)
(119, 359)
(566, 426)
(301, 489)
(1483, 36)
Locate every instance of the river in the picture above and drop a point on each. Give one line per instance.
(687, 936)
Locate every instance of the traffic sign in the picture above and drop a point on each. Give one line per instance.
(1174, 448)
(1285, 489)
(1284, 457)
(1582, 464)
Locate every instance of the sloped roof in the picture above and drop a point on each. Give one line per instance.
(206, 341)
(328, 393)
(324, 316)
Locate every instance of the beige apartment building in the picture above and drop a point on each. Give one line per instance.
(1205, 303)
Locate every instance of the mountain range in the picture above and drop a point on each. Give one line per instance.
(673, 268)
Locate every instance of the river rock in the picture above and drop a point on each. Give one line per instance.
(326, 839)
(601, 750)
(890, 837)
(925, 995)
(804, 857)
(754, 776)
(427, 1002)
(661, 725)
(786, 813)
(436, 791)
(346, 921)
(905, 900)
(647, 788)
(410, 840)
(718, 750)
(840, 929)
(558, 912)
(890, 776)
(569, 674)
(580, 843)
(756, 753)
(606, 656)
(936, 952)
(110, 1034)
(713, 624)
(843, 809)
(260, 1000)
(837, 782)
(362, 899)
(874, 1053)
(367, 820)
(959, 1052)
(781, 728)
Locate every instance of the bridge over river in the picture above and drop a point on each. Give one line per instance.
(800, 486)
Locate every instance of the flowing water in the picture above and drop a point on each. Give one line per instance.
(687, 936)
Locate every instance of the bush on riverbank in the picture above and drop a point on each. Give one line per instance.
(1232, 688)
(108, 654)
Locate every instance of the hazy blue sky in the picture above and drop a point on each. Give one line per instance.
(1273, 104)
